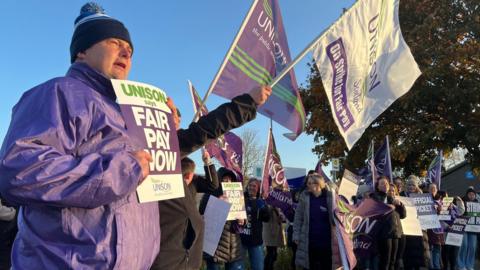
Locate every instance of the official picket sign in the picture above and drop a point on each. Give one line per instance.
(233, 192)
(472, 212)
(426, 211)
(150, 126)
(455, 232)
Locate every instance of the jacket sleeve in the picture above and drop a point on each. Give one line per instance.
(39, 164)
(298, 221)
(264, 213)
(209, 183)
(226, 117)
(401, 210)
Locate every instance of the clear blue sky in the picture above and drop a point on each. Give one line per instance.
(173, 41)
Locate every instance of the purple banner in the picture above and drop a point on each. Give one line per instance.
(283, 200)
(154, 131)
(260, 54)
(338, 59)
(434, 174)
(273, 172)
(227, 149)
(362, 223)
(383, 163)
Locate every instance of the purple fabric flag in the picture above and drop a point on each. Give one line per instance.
(434, 174)
(260, 52)
(359, 226)
(273, 172)
(227, 149)
(383, 164)
(319, 170)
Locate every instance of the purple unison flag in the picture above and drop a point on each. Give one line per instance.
(319, 170)
(360, 225)
(227, 149)
(434, 174)
(273, 172)
(260, 52)
(383, 164)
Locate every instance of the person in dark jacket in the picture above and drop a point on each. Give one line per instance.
(251, 232)
(69, 163)
(417, 250)
(313, 225)
(181, 223)
(391, 231)
(466, 253)
(229, 250)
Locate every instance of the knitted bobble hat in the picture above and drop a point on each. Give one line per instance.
(92, 26)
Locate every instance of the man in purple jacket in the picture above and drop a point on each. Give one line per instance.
(69, 164)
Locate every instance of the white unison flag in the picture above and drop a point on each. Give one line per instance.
(365, 65)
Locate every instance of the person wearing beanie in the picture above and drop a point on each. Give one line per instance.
(69, 164)
(467, 251)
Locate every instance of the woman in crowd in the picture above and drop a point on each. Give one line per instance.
(436, 236)
(313, 225)
(251, 233)
(392, 231)
(466, 254)
(449, 252)
(417, 251)
(273, 236)
(229, 250)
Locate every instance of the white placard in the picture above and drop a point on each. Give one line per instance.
(349, 185)
(410, 224)
(215, 216)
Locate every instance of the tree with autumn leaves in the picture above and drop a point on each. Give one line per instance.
(441, 111)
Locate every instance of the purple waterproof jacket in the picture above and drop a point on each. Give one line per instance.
(66, 160)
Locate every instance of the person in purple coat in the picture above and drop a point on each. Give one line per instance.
(69, 164)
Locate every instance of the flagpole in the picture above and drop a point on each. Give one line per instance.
(224, 63)
(265, 160)
(306, 50)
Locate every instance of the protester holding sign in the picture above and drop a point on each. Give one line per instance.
(466, 254)
(436, 237)
(251, 233)
(184, 250)
(450, 252)
(68, 161)
(312, 229)
(229, 250)
(417, 251)
(387, 242)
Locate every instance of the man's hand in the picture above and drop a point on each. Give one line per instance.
(143, 159)
(205, 156)
(260, 94)
(176, 118)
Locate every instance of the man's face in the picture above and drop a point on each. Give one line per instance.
(112, 57)
(227, 178)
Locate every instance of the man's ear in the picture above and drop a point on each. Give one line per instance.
(80, 56)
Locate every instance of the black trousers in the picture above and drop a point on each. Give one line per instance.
(320, 258)
(449, 257)
(270, 258)
(388, 254)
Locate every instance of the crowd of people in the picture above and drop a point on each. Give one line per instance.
(69, 173)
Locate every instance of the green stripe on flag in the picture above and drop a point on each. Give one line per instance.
(247, 57)
(259, 74)
(268, 9)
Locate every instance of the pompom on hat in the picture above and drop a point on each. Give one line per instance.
(92, 26)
